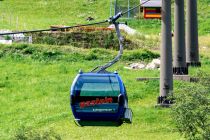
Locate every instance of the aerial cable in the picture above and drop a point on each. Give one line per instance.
(53, 29)
(76, 26)
(111, 20)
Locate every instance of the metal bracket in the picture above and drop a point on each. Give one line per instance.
(113, 20)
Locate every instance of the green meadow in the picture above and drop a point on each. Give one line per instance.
(35, 79)
(35, 86)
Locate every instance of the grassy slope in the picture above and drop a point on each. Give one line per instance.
(19, 14)
(43, 13)
(35, 93)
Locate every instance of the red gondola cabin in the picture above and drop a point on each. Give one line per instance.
(152, 9)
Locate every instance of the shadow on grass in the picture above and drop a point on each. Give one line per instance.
(98, 123)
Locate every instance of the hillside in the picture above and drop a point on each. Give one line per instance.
(34, 93)
(22, 15)
(35, 79)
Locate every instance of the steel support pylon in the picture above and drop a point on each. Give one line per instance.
(179, 61)
(166, 70)
(192, 51)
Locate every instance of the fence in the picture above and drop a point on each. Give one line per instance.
(18, 38)
(123, 5)
(11, 21)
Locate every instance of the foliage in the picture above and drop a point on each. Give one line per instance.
(70, 54)
(24, 133)
(78, 38)
(1, 54)
(143, 41)
(191, 112)
(143, 55)
(96, 39)
(7, 37)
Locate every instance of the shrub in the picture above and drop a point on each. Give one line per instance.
(49, 40)
(20, 46)
(1, 53)
(7, 37)
(29, 50)
(191, 112)
(50, 54)
(91, 56)
(24, 133)
(140, 55)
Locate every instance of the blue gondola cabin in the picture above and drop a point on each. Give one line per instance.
(97, 97)
(152, 9)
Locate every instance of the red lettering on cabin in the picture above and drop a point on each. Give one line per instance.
(109, 100)
(95, 102)
(92, 102)
(87, 103)
(102, 101)
(82, 104)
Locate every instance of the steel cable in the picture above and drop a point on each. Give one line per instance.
(75, 26)
(111, 20)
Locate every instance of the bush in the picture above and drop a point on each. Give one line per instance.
(51, 54)
(49, 40)
(24, 133)
(20, 46)
(91, 56)
(81, 39)
(7, 37)
(140, 55)
(29, 50)
(191, 112)
(1, 53)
